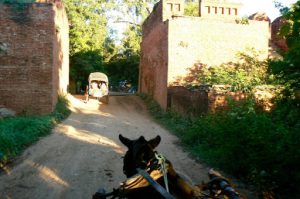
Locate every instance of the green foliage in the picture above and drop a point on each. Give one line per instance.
(87, 25)
(17, 1)
(248, 145)
(89, 43)
(17, 133)
(135, 11)
(243, 20)
(133, 14)
(92, 49)
(83, 63)
(191, 9)
(124, 64)
(131, 41)
(61, 110)
(261, 148)
(123, 68)
(110, 50)
(242, 76)
(289, 68)
(283, 9)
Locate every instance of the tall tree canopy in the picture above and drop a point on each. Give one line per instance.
(88, 37)
(133, 13)
(87, 24)
(93, 44)
(125, 64)
(291, 31)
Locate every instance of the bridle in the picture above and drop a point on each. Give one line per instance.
(159, 162)
(143, 167)
(146, 160)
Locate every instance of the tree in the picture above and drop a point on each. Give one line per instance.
(191, 8)
(89, 43)
(92, 45)
(83, 63)
(291, 31)
(289, 68)
(87, 24)
(125, 64)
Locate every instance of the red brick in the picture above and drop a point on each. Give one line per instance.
(32, 74)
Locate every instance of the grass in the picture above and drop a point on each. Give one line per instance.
(17, 133)
(259, 148)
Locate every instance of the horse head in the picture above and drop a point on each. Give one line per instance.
(140, 153)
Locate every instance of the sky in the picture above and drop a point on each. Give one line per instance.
(249, 7)
(267, 6)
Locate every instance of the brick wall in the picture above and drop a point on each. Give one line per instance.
(153, 63)
(200, 101)
(60, 52)
(211, 99)
(212, 42)
(170, 48)
(34, 57)
(188, 103)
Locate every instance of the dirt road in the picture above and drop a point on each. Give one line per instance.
(83, 153)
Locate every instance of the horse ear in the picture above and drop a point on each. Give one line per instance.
(154, 142)
(124, 140)
(141, 139)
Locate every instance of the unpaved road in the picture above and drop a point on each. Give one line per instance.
(83, 153)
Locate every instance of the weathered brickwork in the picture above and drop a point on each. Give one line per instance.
(200, 101)
(211, 42)
(154, 59)
(33, 56)
(171, 46)
(207, 99)
(188, 103)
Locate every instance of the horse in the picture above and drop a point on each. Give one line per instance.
(151, 176)
(141, 156)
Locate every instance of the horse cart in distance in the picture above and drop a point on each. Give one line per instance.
(97, 87)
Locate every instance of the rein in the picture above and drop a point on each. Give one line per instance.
(160, 160)
(155, 185)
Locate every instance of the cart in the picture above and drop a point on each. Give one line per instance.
(98, 87)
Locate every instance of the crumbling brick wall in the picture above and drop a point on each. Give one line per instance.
(170, 48)
(154, 58)
(211, 99)
(188, 103)
(34, 62)
(211, 42)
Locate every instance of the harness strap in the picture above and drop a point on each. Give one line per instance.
(156, 186)
(162, 161)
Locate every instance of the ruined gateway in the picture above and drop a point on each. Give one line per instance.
(172, 42)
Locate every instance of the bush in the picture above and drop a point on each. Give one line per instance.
(260, 148)
(242, 76)
(191, 9)
(288, 69)
(17, 133)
